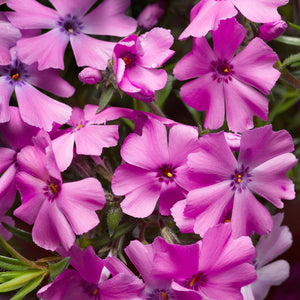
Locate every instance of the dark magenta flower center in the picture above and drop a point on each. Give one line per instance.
(52, 189)
(166, 173)
(222, 70)
(240, 178)
(15, 73)
(195, 282)
(161, 294)
(70, 24)
(90, 288)
(129, 58)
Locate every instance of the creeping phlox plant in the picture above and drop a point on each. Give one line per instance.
(119, 181)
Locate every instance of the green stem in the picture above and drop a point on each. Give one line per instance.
(155, 109)
(16, 254)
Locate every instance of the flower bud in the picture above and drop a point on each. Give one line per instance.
(270, 31)
(233, 140)
(90, 75)
(150, 15)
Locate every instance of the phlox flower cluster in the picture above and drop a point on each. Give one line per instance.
(143, 206)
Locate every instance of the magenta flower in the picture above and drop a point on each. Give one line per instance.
(36, 108)
(90, 137)
(89, 280)
(136, 59)
(261, 167)
(214, 268)
(154, 162)
(14, 135)
(223, 76)
(207, 14)
(58, 210)
(69, 22)
(142, 256)
(267, 249)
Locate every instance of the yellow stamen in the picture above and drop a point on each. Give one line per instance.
(127, 60)
(226, 70)
(239, 178)
(227, 221)
(164, 295)
(168, 173)
(193, 281)
(95, 291)
(53, 188)
(16, 77)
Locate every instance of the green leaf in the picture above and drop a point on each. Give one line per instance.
(20, 278)
(162, 95)
(56, 269)
(22, 234)
(290, 40)
(114, 216)
(12, 264)
(294, 26)
(105, 97)
(290, 60)
(26, 289)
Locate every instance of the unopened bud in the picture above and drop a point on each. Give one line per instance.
(150, 15)
(270, 31)
(90, 75)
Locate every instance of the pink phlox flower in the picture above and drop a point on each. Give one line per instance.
(153, 163)
(267, 249)
(136, 59)
(227, 195)
(221, 75)
(69, 22)
(207, 14)
(86, 132)
(36, 108)
(214, 268)
(142, 256)
(14, 135)
(90, 279)
(58, 210)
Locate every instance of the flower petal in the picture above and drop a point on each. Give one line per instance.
(51, 228)
(254, 66)
(74, 7)
(206, 16)
(31, 15)
(91, 139)
(91, 52)
(270, 182)
(242, 103)
(260, 11)
(109, 18)
(39, 110)
(149, 150)
(249, 215)
(196, 62)
(271, 144)
(47, 49)
(156, 44)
